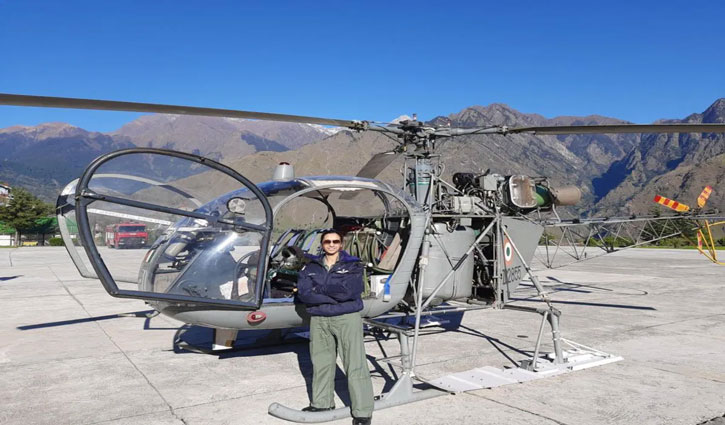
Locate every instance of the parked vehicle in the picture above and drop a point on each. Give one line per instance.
(127, 235)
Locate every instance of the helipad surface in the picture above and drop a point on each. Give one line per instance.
(68, 355)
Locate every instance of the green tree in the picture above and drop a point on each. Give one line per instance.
(45, 225)
(6, 230)
(23, 211)
(687, 237)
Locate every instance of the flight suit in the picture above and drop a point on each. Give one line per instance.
(333, 300)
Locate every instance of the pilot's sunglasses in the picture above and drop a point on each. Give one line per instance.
(331, 242)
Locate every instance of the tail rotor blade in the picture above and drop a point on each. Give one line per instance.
(704, 195)
(669, 203)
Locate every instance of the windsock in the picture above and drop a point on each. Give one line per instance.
(702, 199)
(669, 203)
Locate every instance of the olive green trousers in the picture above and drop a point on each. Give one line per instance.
(341, 335)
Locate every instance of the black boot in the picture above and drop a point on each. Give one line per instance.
(312, 408)
(361, 421)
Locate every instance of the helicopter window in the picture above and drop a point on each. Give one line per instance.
(199, 250)
(274, 191)
(302, 213)
(68, 226)
(374, 222)
(161, 179)
(122, 234)
(205, 261)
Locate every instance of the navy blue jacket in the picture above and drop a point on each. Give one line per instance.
(334, 292)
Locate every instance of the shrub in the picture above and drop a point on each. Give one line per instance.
(56, 241)
(677, 242)
(546, 238)
(611, 241)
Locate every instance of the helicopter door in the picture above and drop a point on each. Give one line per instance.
(168, 226)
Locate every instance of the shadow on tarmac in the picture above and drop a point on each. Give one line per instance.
(253, 343)
(142, 313)
(624, 306)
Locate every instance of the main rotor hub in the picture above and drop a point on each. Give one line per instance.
(413, 132)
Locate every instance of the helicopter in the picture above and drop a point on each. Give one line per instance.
(226, 251)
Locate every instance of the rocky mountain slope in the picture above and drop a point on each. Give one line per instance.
(683, 184)
(596, 163)
(566, 160)
(618, 174)
(46, 157)
(218, 138)
(677, 166)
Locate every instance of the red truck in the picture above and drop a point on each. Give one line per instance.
(127, 235)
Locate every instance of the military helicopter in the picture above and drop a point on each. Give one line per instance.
(226, 251)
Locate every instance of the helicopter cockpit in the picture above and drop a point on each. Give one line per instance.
(221, 262)
(373, 217)
(210, 247)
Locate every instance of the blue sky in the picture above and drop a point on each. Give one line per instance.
(635, 60)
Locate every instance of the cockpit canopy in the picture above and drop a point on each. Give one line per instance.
(211, 230)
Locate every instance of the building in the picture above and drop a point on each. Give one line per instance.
(4, 193)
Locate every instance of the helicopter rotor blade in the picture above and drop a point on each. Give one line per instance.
(378, 163)
(621, 128)
(112, 105)
(375, 166)
(585, 129)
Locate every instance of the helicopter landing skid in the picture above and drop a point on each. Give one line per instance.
(578, 358)
(401, 393)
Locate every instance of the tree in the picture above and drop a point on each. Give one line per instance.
(45, 225)
(6, 230)
(23, 211)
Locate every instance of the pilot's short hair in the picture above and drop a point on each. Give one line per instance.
(329, 232)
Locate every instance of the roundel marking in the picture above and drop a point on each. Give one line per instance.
(508, 252)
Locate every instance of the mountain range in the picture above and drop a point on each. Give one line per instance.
(44, 158)
(618, 173)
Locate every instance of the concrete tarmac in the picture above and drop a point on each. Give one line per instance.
(69, 353)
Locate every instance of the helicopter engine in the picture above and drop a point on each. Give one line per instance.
(516, 194)
(462, 211)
